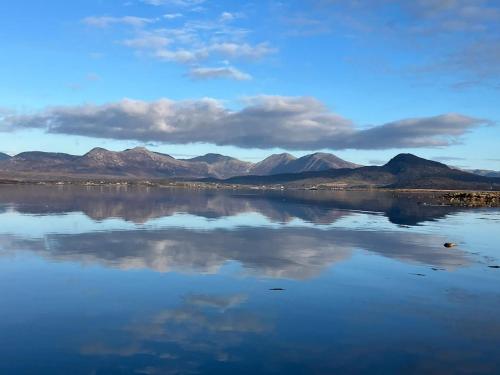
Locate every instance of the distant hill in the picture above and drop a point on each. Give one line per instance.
(319, 169)
(484, 172)
(286, 163)
(403, 171)
(273, 164)
(140, 162)
(4, 156)
(221, 165)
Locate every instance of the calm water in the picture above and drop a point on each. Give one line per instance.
(150, 281)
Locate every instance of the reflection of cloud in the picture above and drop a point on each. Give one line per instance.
(219, 72)
(296, 253)
(174, 334)
(99, 348)
(222, 303)
(199, 336)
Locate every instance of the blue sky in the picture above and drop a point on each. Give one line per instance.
(362, 79)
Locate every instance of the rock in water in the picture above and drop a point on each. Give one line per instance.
(449, 244)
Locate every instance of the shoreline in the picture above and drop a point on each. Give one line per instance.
(442, 197)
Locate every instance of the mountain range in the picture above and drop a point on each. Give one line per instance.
(404, 171)
(140, 162)
(484, 172)
(323, 169)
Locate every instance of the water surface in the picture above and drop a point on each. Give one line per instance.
(158, 281)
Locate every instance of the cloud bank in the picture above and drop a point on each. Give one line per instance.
(294, 123)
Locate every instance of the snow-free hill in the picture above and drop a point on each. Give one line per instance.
(286, 163)
(4, 156)
(140, 162)
(403, 171)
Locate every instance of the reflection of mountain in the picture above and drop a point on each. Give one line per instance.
(142, 204)
(296, 253)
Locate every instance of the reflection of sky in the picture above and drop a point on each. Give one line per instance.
(189, 293)
(296, 249)
(370, 307)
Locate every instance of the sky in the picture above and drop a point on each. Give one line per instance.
(365, 80)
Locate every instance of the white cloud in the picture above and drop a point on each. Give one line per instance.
(295, 123)
(191, 43)
(219, 72)
(147, 41)
(171, 16)
(238, 50)
(179, 56)
(105, 21)
(227, 17)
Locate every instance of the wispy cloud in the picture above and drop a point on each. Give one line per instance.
(219, 72)
(171, 16)
(196, 41)
(421, 16)
(452, 15)
(147, 40)
(455, 41)
(446, 159)
(295, 123)
(105, 21)
(191, 42)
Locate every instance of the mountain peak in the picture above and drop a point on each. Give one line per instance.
(406, 161)
(322, 161)
(4, 156)
(211, 158)
(96, 151)
(41, 155)
(273, 164)
(320, 154)
(282, 156)
(138, 149)
(405, 157)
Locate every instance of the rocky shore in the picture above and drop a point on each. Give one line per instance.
(472, 199)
